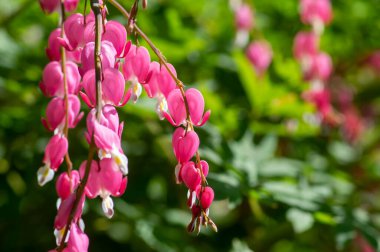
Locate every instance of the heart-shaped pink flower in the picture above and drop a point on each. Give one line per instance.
(185, 144)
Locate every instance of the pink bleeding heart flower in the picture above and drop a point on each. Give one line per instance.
(66, 185)
(56, 113)
(191, 176)
(65, 209)
(316, 12)
(78, 240)
(70, 5)
(320, 67)
(109, 144)
(136, 69)
(160, 83)
(49, 6)
(244, 17)
(108, 56)
(205, 196)
(260, 55)
(114, 32)
(54, 45)
(52, 79)
(105, 181)
(113, 86)
(74, 30)
(55, 151)
(185, 144)
(109, 118)
(305, 45)
(177, 108)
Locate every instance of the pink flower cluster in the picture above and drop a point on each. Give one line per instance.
(259, 52)
(126, 70)
(316, 66)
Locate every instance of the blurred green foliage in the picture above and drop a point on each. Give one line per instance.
(281, 183)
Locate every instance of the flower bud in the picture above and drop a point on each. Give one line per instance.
(260, 55)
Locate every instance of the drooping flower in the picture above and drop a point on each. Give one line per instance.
(316, 12)
(53, 49)
(52, 79)
(305, 45)
(191, 175)
(113, 87)
(107, 56)
(55, 151)
(244, 18)
(136, 69)
(66, 185)
(320, 67)
(260, 55)
(185, 144)
(105, 180)
(56, 113)
(177, 108)
(78, 240)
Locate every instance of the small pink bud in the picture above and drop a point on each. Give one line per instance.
(260, 55)
(244, 17)
(49, 6)
(312, 10)
(66, 185)
(191, 176)
(184, 144)
(305, 45)
(70, 5)
(206, 196)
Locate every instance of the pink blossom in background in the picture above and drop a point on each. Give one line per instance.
(374, 61)
(244, 17)
(260, 55)
(316, 11)
(305, 45)
(320, 67)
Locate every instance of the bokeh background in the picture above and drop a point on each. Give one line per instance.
(282, 183)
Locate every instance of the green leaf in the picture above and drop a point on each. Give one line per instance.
(300, 220)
